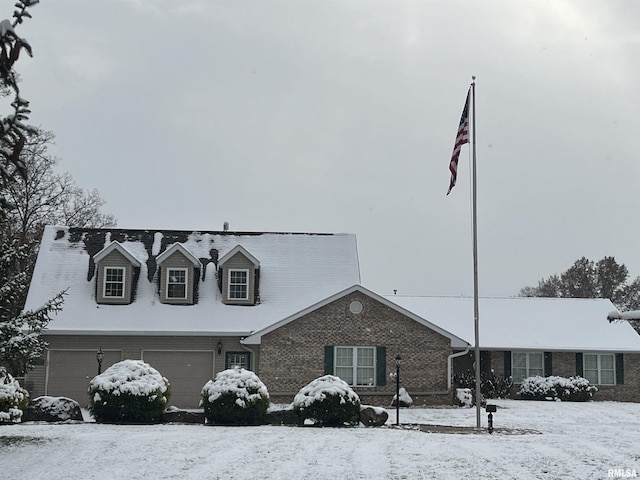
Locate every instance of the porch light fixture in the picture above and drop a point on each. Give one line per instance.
(99, 357)
(398, 362)
(219, 346)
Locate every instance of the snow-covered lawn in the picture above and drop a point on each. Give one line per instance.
(576, 441)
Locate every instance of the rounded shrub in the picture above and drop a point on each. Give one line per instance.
(235, 397)
(572, 389)
(328, 401)
(130, 391)
(13, 398)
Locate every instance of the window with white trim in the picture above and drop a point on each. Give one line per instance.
(114, 282)
(526, 364)
(237, 360)
(356, 365)
(238, 285)
(599, 368)
(177, 283)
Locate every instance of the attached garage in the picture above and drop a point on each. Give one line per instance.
(69, 372)
(187, 372)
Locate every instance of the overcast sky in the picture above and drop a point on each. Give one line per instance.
(340, 116)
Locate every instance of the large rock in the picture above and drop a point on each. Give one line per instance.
(283, 417)
(175, 415)
(373, 417)
(52, 409)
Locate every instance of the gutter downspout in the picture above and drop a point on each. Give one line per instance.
(450, 364)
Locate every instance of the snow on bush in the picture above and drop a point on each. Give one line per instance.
(130, 391)
(405, 398)
(235, 397)
(13, 398)
(572, 389)
(464, 397)
(328, 401)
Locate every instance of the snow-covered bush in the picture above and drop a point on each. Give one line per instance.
(130, 391)
(235, 397)
(13, 398)
(464, 396)
(491, 385)
(405, 398)
(572, 389)
(328, 401)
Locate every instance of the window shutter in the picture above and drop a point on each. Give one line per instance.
(579, 366)
(507, 363)
(328, 360)
(619, 369)
(548, 364)
(381, 366)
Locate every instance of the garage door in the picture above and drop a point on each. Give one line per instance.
(187, 373)
(71, 370)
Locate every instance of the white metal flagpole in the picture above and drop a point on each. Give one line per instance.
(476, 316)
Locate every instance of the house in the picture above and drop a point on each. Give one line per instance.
(290, 307)
(522, 337)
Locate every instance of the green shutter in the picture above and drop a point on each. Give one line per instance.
(381, 366)
(619, 369)
(328, 360)
(548, 364)
(579, 365)
(507, 363)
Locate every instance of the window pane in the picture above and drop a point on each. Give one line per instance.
(238, 285)
(606, 362)
(344, 357)
(240, 360)
(536, 361)
(591, 375)
(114, 282)
(518, 374)
(365, 357)
(176, 283)
(590, 362)
(345, 374)
(519, 361)
(365, 376)
(607, 377)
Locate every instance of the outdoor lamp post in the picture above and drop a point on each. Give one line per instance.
(398, 361)
(99, 357)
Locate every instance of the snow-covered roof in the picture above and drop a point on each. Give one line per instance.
(177, 247)
(296, 270)
(550, 324)
(120, 249)
(456, 342)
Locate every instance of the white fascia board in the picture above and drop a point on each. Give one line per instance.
(116, 246)
(243, 251)
(178, 247)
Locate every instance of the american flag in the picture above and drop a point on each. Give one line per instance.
(461, 138)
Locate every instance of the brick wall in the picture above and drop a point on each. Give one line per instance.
(293, 355)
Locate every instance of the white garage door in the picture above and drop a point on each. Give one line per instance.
(187, 373)
(71, 370)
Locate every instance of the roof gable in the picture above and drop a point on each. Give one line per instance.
(243, 251)
(256, 338)
(178, 247)
(115, 246)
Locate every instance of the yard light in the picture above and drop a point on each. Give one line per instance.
(491, 409)
(99, 357)
(398, 361)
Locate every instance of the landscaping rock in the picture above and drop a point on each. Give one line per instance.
(52, 409)
(373, 417)
(283, 417)
(175, 415)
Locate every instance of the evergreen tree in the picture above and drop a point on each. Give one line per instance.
(21, 342)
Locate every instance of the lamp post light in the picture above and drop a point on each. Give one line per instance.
(99, 357)
(398, 361)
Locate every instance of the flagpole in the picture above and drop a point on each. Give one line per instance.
(476, 316)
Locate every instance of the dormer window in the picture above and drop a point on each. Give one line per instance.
(178, 274)
(238, 277)
(117, 270)
(177, 283)
(238, 284)
(114, 282)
